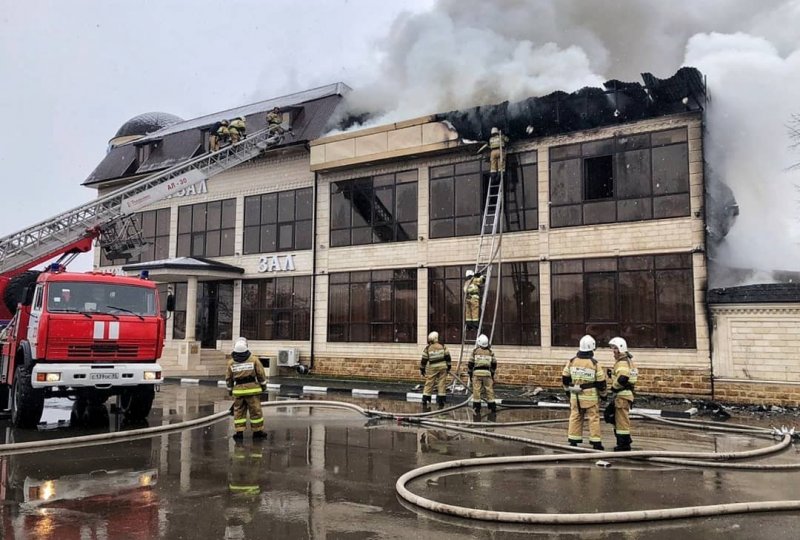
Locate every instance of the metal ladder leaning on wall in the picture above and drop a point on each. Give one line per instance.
(18, 250)
(488, 255)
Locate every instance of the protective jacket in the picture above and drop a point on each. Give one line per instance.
(482, 362)
(239, 125)
(473, 287)
(623, 377)
(583, 371)
(497, 141)
(436, 356)
(274, 119)
(244, 375)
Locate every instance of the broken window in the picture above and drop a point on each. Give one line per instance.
(598, 178)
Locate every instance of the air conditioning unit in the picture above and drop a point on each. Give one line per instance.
(288, 357)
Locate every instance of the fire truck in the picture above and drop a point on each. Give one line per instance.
(89, 336)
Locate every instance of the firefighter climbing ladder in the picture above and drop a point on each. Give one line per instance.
(107, 212)
(488, 255)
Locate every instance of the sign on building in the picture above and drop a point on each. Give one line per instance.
(276, 263)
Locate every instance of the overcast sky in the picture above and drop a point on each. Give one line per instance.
(74, 71)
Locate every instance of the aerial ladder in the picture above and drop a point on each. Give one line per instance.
(109, 218)
(488, 256)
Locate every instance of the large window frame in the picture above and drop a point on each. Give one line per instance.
(457, 196)
(519, 317)
(378, 306)
(646, 299)
(207, 229)
(278, 221)
(391, 202)
(277, 309)
(155, 227)
(635, 177)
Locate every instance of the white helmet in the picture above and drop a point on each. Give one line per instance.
(470, 273)
(433, 337)
(240, 346)
(495, 131)
(483, 341)
(619, 343)
(587, 344)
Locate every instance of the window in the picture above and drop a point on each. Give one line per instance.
(179, 315)
(648, 300)
(206, 229)
(373, 306)
(518, 318)
(154, 225)
(374, 210)
(278, 221)
(458, 196)
(625, 178)
(277, 308)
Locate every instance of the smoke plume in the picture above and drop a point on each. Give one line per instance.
(464, 53)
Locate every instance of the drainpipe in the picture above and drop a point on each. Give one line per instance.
(313, 267)
(709, 319)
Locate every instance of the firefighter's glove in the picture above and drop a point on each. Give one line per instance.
(230, 411)
(422, 371)
(575, 389)
(230, 392)
(264, 387)
(449, 368)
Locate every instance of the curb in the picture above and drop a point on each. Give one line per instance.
(412, 396)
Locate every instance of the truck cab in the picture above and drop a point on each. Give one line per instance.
(88, 336)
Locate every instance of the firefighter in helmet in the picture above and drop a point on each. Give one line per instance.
(434, 365)
(497, 152)
(473, 290)
(274, 121)
(246, 380)
(585, 383)
(482, 367)
(623, 379)
(213, 137)
(237, 129)
(223, 134)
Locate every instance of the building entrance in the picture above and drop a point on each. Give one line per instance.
(214, 312)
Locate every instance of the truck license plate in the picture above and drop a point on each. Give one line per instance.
(104, 376)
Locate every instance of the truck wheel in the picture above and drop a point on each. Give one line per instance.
(136, 402)
(17, 289)
(27, 402)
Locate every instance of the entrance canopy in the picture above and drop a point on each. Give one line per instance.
(178, 269)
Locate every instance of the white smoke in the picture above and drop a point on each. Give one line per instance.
(472, 52)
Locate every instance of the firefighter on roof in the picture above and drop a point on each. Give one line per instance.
(585, 382)
(238, 129)
(213, 137)
(246, 380)
(223, 134)
(274, 120)
(497, 152)
(473, 290)
(434, 365)
(623, 379)
(482, 367)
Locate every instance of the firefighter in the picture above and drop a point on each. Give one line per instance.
(223, 134)
(623, 379)
(473, 290)
(482, 367)
(434, 365)
(497, 152)
(213, 137)
(246, 381)
(237, 129)
(585, 383)
(274, 120)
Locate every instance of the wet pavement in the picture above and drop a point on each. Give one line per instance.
(331, 474)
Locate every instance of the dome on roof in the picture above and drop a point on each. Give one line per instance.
(146, 123)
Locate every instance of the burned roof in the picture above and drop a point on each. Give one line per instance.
(768, 293)
(177, 142)
(586, 108)
(147, 123)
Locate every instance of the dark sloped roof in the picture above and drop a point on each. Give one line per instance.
(184, 263)
(147, 123)
(181, 141)
(767, 293)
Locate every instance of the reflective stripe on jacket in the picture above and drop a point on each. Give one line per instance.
(246, 377)
(585, 372)
(497, 141)
(624, 368)
(473, 287)
(435, 354)
(482, 362)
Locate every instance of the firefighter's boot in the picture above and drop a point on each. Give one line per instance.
(238, 436)
(598, 446)
(623, 443)
(259, 434)
(493, 407)
(440, 401)
(426, 403)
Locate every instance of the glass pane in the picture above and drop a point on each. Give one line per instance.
(568, 335)
(637, 297)
(269, 208)
(633, 174)
(226, 242)
(468, 195)
(634, 209)
(302, 235)
(441, 172)
(406, 303)
(384, 206)
(302, 292)
(148, 224)
(566, 151)
(268, 239)
(250, 294)
(362, 236)
(252, 210)
(668, 137)
(598, 176)
(530, 181)
(468, 226)
(360, 332)
(594, 148)
(286, 206)
(162, 221)
(676, 260)
(441, 198)
(228, 214)
(600, 265)
(639, 334)
(340, 211)
(184, 245)
(671, 169)
(442, 228)
(340, 238)
(383, 180)
(285, 237)
(407, 176)
(599, 212)
(675, 296)
(382, 302)
(671, 206)
(301, 321)
(406, 202)
(212, 244)
(198, 244)
(676, 336)
(633, 142)
(214, 215)
(601, 297)
(251, 242)
(361, 208)
(568, 298)
(636, 263)
(161, 248)
(184, 219)
(406, 231)
(566, 216)
(283, 293)
(565, 182)
(567, 267)
(468, 167)
(199, 218)
(304, 201)
(359, 303)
